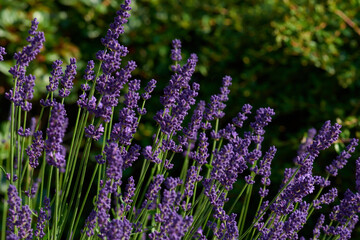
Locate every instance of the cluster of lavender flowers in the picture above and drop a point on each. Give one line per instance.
(52, 181)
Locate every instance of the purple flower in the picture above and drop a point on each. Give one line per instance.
(129, 191)
(89, 71)
(124, 130)
(241, 117)
(263, 118)
(43, 219)
(216, 106)
(35, 150)
(191, 178)
(2, 53)
(28, 53)
(55, 152)
(118, 229)
(176, 54)
(301, 186)
(56, 74)
(341, 160)
(68, 78)
(103, 205)
(178, 96)
(24, 132)
(202, 154)
(228, 229)
(326, 198)
(90, 224)
(325, 138)
(149, 89)
(24, 224)
(357, 175)
(14, 202)
(23, 90)
(150, 155)
(318, 226)
(154, 188)
(34, 188)
(296, 221)
(195, 124)
(226, 166)
(114, 162)
(94, 133)
(131, 156)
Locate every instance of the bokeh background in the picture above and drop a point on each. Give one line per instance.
(299, 57)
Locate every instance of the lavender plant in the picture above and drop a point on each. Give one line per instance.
(51, 182)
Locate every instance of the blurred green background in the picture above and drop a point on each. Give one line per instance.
(299, 57)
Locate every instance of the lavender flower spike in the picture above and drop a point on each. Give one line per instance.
(55, 76)
(357, 175)
(176, 54)
(14, 202)
(68, 78)
(341, 160)
(55, 152)
(35, 150)
(2, 53)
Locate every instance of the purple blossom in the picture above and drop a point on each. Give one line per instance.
(56, 74)
(118, 229)
(177, 82)
(55, 152)
(124, 130)
(2, 53)
(129, 191)
(195, 124)
(191, 178)
(94, 133)
(178, 97)
(14, 202)
(28, 53)
(43, 219)
(326, 198)
(132, 97)
(228, 229)
(202, 154)
(263, 118)
(90, 224)
(114, 162)
(150, 155)
(226, 166)
(149, 89)
(24, 132)
(325, 138)
(301, 186)
(340, 161)
(131, 156)
(348, 207)
(176, 54)
(35, 150)
(31, 193)
(103, 205)
(318, 226)
(68, 78)
(357, 175)
(89, 71)
(154, 188)
(296, 221)
(24, 224)
(241, 117)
